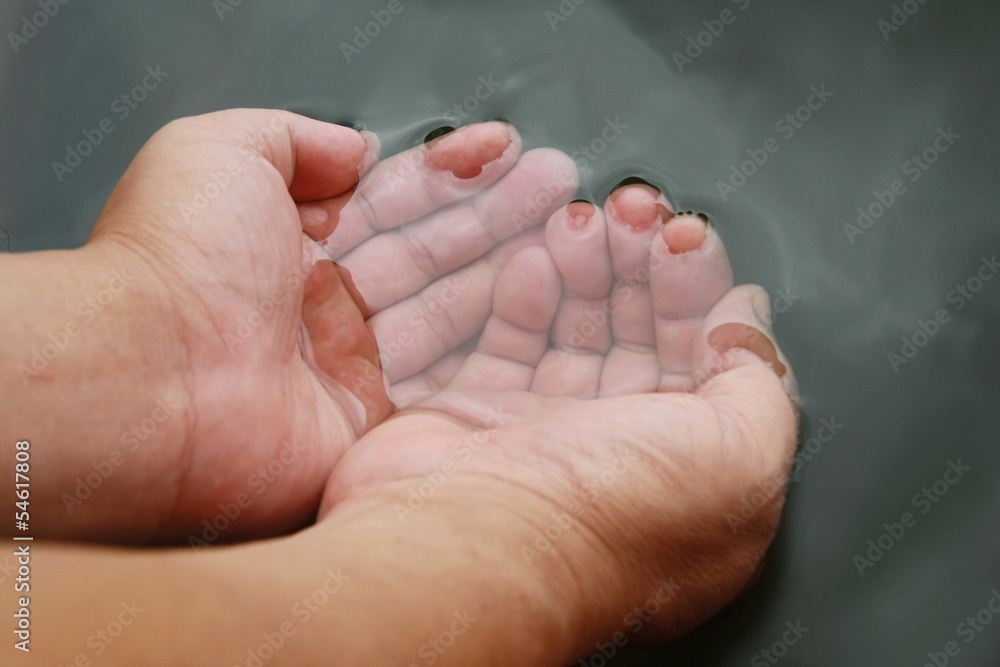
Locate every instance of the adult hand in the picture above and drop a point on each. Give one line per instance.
(620, 403)
(242, 366)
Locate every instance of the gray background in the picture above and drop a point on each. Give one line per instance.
(851, 302)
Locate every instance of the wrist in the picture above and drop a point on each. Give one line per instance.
(360, 586)
(501, 553)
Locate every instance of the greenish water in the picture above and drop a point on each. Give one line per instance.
(779, 120)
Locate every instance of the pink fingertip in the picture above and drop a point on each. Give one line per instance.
(638, 206)
(465, 157)
(579, 214)
(684, 233)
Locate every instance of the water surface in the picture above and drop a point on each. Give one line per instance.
(850, 298)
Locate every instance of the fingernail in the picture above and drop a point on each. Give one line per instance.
(639, 206)
(579, 213)
(465, 154)
(684, 233)
(374, 148)
(725, 337)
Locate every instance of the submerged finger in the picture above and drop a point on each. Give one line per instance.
(412, 184)
(423, 251)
